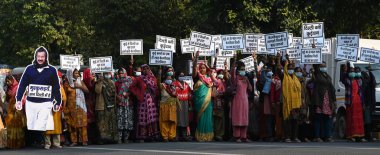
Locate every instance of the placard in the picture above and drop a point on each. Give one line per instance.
(297, 41)
(294, 53)
(351, 40)
(185, 46)
(190, 64)
(189, 81)
(39, 91)
(206, 52)
(224, 53)
(276, 40)
(160, 57)
(312, 30)
(69, 61)
(220, 62)
(308, 43)
(165, 43)
(346, 53)
(327, 47)
(101, 64)
(261, 47)
(201, 40)
(233, 42)
(131, 47)
(369, 55)
(247, 51)
(217, 39)
(290, 40)
(311, 56)
(251, 40)
(249, 63)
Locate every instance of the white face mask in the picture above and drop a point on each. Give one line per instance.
(220, 76)
(168, 82)
(107, 76)
(138, 73)
(181, 79)
(213, 75)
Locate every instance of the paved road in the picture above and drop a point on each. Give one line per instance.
(212, 148)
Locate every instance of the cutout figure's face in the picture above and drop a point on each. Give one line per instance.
(41, 57)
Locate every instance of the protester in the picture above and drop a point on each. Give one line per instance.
(184, 95)
(218, 99)
(105, 109)
(89, 80)
(124, 107)
(305, 127)
(369, 94)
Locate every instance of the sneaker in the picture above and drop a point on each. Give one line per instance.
(238, 141)
(287, 140)
(47, 147)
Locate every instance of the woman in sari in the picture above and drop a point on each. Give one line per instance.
(202, 101)
(125, 107)
(15, 119)
(145, 89)
(89, 81)
(76, 110)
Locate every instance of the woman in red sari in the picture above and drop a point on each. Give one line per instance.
(89, 80)
(354, 110)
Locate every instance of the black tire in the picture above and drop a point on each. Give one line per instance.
(341, 125)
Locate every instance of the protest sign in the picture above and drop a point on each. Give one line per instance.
(261, 47)
(247, 51)
(327, 47)
(297, 41)
(220, 62)
(165, 43)
(190, 64)
(201, 40)
(233, 42)
(69, 61)
(160, 57)
(311, 56)
(39, 91)
(276, 40)
(318, 42)
(249, 63)
(346, 53)
(131, 47)
(189, 81)
(290, 39)
(224, 53)
(293, 53)
(217, 39)
(369, 55)
(206, 52)
(351, 40)
(185, 46)
(101, 64)
(312, 30)
(251, 40)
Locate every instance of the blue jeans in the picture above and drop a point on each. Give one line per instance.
(322, 126)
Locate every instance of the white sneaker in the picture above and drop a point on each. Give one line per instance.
(47, 147)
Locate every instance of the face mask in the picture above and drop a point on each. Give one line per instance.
(269, 74)
(299, 74)
(138, 73)
(323, 69)
(168, 82)
(242, 73)
(107, 76)
(169, 73)
(358, 75)
(282, 70)
(213, 75)
(290, 72)
(180, 79)
(351, 75)
(220, 76)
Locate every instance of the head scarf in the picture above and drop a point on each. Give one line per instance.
(203, 78)
(70, 77)
(12, 90)
(87, 77)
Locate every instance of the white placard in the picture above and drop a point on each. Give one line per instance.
(327, 48)
(101, 64)
(224, 53)
(346, 53)
(261, 47)
(201, 40)
(293, 53)
(251, 40)
(191, 65)
(220, 62)
(247, 50)
(276, 40)
(233, 42)
(160, 57)
(131, 47)
(206, 52)
(189, 81)
(39, 91)
(249, 63)
(185, 46)
(217, 39)
(308, 43)
(69, 61)
(351, 40)
(290, 39)
(297, 41)
(311, 56)
(312, 30)
(369, 55)
(165, 43)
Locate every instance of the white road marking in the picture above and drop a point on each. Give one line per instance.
(151, 151)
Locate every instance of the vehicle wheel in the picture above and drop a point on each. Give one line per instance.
(341, 125)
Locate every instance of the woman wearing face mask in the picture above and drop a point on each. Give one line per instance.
(239, 105)
(202, 101)
(89, 80)
(291, 89)
(219, 103)
(305, 131)
(105, 107)
(76, 105)
(354, 111)
(168, 106)
(184, 95)
(145, 89)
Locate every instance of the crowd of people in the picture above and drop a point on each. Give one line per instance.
(277, 102)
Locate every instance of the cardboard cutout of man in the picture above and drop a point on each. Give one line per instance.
(43, 92)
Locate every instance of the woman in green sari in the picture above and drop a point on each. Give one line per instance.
(202, 101)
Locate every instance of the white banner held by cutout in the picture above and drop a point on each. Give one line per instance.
(185, 46)
(165, 43)
(346, 53)
(39, 91)
(131, 47)
(369, 55)
(201, 40)
(351, 40)
(101, 64)
(249, 63)
(69, 61)
(233, 42)
(276, 40)
(311, 56)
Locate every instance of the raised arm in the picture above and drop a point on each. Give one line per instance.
(195, 62)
